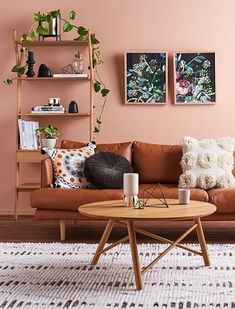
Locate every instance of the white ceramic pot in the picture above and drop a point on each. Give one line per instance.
(49, 142)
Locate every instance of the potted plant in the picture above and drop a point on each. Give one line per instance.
(41, 27)
(50, 134)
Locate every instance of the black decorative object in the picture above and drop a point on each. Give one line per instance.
(73, 107)
(105, 170)
(30, 62)
(148, 193)
(44, 71)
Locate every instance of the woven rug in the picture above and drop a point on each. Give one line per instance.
(59, 276)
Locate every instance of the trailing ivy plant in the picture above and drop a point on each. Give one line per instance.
(82, 35)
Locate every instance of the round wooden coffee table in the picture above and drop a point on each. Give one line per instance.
(115, 212)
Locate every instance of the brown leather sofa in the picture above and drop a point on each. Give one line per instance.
(154, 163)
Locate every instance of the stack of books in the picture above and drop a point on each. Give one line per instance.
(28, 136)
(44, 109)
(71, 75)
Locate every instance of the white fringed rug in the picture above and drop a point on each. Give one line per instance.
(59, 276)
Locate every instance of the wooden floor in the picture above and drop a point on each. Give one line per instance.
(27, 229)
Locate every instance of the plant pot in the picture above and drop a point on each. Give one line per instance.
(49, 142)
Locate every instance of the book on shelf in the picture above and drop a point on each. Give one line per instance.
(28, 134)
(83, 75)
(44, 109)
(48, 112)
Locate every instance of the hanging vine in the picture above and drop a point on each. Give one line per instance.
(40, 27)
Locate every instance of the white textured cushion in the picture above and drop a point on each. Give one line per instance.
(207, 163)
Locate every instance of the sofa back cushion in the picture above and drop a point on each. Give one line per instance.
(233, 171)
(157, 163)
(122, 149)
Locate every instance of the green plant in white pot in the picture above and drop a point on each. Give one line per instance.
(50, 135)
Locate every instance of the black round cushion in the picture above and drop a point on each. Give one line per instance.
(105, 170)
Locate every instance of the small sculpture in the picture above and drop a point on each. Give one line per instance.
(44, 71)
(142, 203)
(30, 62)
(73, 107)
(77, 67)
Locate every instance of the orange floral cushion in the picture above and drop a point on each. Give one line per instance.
(68, 165)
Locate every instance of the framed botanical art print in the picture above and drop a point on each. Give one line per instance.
(194, 78)
(146, 78)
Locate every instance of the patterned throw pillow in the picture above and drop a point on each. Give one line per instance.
(207, 163)
(68, 165)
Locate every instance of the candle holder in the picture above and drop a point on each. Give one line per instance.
(130, 189)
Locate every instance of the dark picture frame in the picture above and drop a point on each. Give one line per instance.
(194, 78)
(146, 78)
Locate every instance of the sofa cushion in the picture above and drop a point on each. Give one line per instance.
(224, 199)
(122, 149)
(207, 163)
(68, 166)
(105, 170)
(66, 199)
(157, 163)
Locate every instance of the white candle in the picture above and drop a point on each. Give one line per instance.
(131, 184)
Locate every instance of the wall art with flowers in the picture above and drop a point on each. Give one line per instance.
(146, 78)
(194, 77)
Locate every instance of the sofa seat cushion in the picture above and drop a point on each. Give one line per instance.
(171, 191)
(157, 163)
(224, 199)
(71, 199)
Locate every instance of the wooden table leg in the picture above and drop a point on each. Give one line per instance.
(202, 241)
(134, 254)
(103, 241)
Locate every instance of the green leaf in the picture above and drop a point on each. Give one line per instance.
(96, 130)
(72, 15)
(82, 31)
(33, 34)
(54, 14)
(94, 62)
(8, 81)
(94, 40)
(104, 92)
(80, 38)
(18, 69)
(46, 18)
(23, 49)
(26, 37)
(37, 16)
(41, 30)
(98, 121)
(67, 27)
(97, 87)
(98, 82)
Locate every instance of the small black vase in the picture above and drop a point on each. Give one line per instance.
(44, 71)
(73, 107)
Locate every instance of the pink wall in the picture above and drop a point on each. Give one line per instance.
(131, 25)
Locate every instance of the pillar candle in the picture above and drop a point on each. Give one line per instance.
(131, 184)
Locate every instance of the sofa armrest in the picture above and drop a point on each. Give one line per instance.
(46, 173)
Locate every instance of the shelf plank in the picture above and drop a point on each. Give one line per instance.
(54, 114)
(30, 156)
(24, 187)
(30, 79)
(52, 43)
